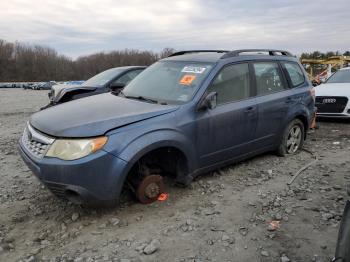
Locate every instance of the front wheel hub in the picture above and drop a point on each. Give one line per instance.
(150, 188)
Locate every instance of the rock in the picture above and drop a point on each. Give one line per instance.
(303, 197)
(75, 217)
(288, 210)
(152, 247)
(337, 187)
(284, 258)
(327, 216)
(189, 222)
(102, 226)
(30, 259)
(210, 242)
(63, 227)
(243, 231)
(278, 216)
(271, 227)
(225, 237)
(140, 248)
(264, 253)
(124, 260)
(114, 221)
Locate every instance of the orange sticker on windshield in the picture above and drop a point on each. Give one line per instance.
(187, 80)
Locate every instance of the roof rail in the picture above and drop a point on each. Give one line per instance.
(271, 52)
(197, 51)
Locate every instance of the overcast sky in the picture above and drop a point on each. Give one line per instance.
(80, 27)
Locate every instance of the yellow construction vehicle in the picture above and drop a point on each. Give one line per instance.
(326, 66)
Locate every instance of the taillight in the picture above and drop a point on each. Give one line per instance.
(312, 93)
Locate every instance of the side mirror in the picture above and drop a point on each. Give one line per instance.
(116, 87)
(209, 102)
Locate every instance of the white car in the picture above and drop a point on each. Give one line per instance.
(332, 97)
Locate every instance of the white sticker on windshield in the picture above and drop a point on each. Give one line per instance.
(183, 98)
(193, 69)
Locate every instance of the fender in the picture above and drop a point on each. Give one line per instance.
(157, 139)
(301, 111)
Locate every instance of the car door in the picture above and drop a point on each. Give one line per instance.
(273, 99)
(226, 131)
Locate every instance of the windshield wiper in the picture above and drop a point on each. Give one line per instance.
(142, 98)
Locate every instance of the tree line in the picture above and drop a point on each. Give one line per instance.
(28, 63)
(320, 55)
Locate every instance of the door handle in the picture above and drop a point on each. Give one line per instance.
(249, 109)
(289, 100)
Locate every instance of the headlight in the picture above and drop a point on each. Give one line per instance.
(71, 149)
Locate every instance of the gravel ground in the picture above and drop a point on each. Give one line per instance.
(222, 216)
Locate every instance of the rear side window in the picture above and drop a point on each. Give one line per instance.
(268, 78)
(295, 74)
(231, 83)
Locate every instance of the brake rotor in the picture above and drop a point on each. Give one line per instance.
(150, 188)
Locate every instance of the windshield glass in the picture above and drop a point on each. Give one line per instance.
(103, 77)
(341, 76)
(171, 82)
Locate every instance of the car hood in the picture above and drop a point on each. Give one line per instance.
(58, 88)
(333, 89)
(66, 90)
(95, 115)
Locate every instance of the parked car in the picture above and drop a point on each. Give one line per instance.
(114, 78)
(45, 85)
(332, 97)
(75, 82)
(185, 115)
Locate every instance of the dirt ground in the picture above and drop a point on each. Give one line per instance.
(222, 216)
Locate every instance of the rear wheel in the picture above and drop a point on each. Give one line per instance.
(293, 138)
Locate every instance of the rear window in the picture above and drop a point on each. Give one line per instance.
(268, 78)
(295, 73)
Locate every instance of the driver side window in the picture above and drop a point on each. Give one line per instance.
(127, 77)
(231, 83)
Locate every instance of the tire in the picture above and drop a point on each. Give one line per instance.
(293, 138)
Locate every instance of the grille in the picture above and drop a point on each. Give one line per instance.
(35, 142)
(331, 104)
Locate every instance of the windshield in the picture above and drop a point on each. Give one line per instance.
(102, 78)
(341, 76)
(171, 82)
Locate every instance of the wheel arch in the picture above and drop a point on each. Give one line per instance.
(305, 122)
(154, 141)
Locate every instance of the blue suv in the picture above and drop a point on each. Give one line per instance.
(185, 115)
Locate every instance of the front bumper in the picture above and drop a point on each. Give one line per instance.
(92, 179)
(340, 109)
(333, 115)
